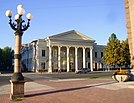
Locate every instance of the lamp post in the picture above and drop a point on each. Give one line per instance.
(17, 79)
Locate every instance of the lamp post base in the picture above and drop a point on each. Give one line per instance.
(17, 86)
(17, 90)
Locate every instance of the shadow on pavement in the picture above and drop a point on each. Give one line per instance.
(69, 89)
(28, 79)
(4, 80)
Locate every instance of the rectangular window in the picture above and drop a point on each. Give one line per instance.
(101, 65)
(95, 54)
(43, 65)
(95, 65)
(88, 54)
(43, 53)
(101, 54)
(88, 65)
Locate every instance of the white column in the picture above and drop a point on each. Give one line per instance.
(50, 60)
(83, 57)
(67, 59)
(76, 60)
(34, 57)
(38, 59)
(91, 59)
(59, 64)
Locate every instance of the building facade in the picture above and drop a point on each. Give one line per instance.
(129, 6)
(67, 52)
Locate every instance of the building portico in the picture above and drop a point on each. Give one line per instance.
(66, 58)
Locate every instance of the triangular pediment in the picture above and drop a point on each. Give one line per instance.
(71, 35)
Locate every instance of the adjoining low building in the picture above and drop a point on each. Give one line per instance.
(68, 52)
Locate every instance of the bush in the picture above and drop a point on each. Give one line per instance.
(121, 72)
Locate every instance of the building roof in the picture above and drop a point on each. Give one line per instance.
(72, 36)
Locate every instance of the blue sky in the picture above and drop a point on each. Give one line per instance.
(97, 19)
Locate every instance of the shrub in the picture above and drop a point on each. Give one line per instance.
(121, 72)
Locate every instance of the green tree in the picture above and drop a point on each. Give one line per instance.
(126, 53)
(7, 54)
(1, 58)
(120, 60)
(110, 52)
(116, 53)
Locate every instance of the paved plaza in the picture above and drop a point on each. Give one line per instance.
(79, 90)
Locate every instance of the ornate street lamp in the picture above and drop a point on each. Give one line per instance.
(17, 79)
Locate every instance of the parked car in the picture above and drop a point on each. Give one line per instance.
(84, 70)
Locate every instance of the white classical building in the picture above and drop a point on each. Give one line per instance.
(68, 52)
